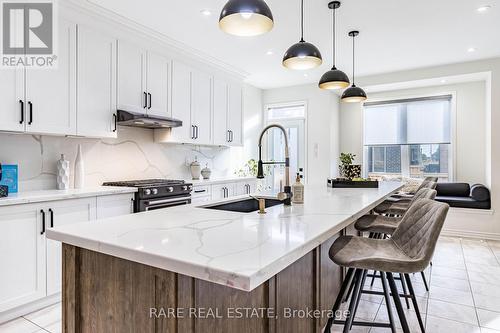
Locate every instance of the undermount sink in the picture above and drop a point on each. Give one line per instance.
(244, 205)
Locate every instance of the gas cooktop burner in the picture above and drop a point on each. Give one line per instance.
(146, 182)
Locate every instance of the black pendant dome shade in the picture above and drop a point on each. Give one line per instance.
(302, 55)
(334, 78)
(353, 94)
(246, 18)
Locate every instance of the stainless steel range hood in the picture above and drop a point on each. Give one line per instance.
(134, 119)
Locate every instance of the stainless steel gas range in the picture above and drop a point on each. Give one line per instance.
(157, 193)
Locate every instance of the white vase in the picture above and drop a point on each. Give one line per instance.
(79, 169)
(62, 174)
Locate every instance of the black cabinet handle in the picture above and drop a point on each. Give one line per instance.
(43, 222)
(228, 136)
(51, 212)
(200, 191)
(31, 113)
(196, 131)
(192, 132)
(115, 120)
(22, 111)
(145, 100)
(149, 107)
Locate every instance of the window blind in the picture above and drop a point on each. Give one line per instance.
(409, 121)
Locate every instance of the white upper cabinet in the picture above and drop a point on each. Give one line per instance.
(220, 100)
(12, 106)
(50, 103)
(181, 103)
(22, 256)
(158, 85)
(132, 91)
(96, 84)
(235, 115)
(143, 81)
(201, 112)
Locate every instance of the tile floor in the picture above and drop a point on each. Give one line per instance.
(464, 295)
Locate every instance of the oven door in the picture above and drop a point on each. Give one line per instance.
(147, 205)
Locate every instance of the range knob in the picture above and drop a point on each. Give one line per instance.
(154, 191)
(184, 187)
(170, 189)
(147, 191)
(190, 187)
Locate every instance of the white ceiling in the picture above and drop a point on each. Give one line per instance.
(395, 34)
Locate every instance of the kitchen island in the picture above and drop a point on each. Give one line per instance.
(192, 269)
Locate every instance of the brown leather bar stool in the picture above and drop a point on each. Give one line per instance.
(409, 250)
(399, 206)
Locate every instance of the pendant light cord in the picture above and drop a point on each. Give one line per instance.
(334, 39)
(353, 59)
(302, 21)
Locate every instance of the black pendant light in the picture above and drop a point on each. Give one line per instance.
(246, 18)
(302, 55)
(334, 78)
(353, 94)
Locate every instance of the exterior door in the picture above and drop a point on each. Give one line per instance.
(22, 256)
(51, 93)
(58, 214)
(276, 151)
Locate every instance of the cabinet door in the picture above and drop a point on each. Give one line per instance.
(131, 78)
(246, 187)
(202, 107)
(252, 185)
(219, 191)
(158, 87)
(22, 256)
(96, 84)
(64, 213)
(51, 93)
(181, 102)
(12, 91)
(114, 205)
(235, 114)
(220, 132)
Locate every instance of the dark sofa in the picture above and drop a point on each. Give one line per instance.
(463, 195)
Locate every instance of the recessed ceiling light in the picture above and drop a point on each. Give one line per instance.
(471, 49)
(270, 52)
(484, 8)
(206, 12)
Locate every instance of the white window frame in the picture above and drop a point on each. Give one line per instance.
(453, 128)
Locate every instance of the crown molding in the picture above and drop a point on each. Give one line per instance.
(86, 7)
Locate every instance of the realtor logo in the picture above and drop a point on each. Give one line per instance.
(28, 34)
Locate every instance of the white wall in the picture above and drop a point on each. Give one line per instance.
(322, 127)
(480, 224)
(470, 124)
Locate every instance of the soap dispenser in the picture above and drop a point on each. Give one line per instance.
(298, 191)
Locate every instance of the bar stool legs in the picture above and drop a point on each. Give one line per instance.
(405, 290)
(388, 302)
(397, 302)
(345, 284)
(414, 301)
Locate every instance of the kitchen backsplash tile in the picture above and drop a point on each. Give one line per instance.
(134, 155)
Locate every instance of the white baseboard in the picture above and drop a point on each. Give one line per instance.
(28, 308)
(470, 234)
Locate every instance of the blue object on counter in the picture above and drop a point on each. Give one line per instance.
(8, 177)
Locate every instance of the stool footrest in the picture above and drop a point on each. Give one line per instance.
(372, 292)
(363, 323)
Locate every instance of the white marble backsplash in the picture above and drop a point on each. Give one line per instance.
(133, 155)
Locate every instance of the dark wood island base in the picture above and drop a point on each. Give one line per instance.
(102, 293)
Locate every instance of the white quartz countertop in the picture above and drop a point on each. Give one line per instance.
(51, 195)
(214, 181)
(240, 250)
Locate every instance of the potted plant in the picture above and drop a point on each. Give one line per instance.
(347, 169)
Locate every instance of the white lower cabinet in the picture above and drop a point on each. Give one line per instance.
(246, 187)
(61, 213)
(22, 256)
(115, 205)
(32, 264)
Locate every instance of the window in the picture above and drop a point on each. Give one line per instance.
(409, 137)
